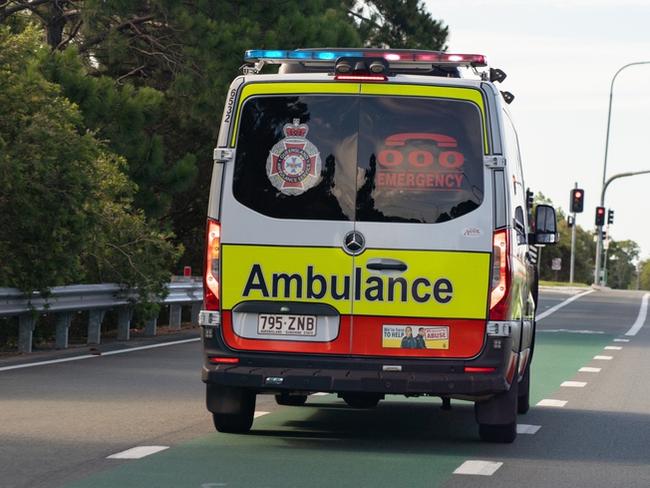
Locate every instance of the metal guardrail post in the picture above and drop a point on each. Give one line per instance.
(175, 312)
(95, 319)
(151, 327)
(124, 317)
(196, 309)
(63, 321)
(26, 325)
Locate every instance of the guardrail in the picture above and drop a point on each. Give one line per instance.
(64, 301)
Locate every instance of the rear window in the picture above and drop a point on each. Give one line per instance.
(378, 159)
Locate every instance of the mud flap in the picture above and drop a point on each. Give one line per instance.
(227, 399)
(501, 409)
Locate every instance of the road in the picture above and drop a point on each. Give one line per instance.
(60, 422)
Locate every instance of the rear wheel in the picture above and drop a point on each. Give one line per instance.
(233, 409)
(497, 417)
(290, 400)
(361, 400)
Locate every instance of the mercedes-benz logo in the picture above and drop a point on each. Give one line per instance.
(354, 242)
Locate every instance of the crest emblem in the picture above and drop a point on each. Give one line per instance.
(294, 163)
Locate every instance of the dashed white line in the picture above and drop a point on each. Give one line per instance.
(621, 340)
(640, 319)
(603, 358)
(549, 402)
(588, 369)
(137, 452)
(573, 384)
(613, 348)
(259, 413)
(479, 468)
(557, 307)
(528, 429)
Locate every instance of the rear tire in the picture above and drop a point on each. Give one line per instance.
(502, 434)
(361, 400)
(233, 409)
(291, 400)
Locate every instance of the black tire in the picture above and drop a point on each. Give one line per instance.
(502, 434)
(361, 400)
(291, 400)
(523, 398)
(236, 413)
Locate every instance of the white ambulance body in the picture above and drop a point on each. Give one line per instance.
(367, 235)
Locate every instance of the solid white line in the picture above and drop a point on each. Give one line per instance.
(88, 356)
(137, 452)
(640, 319)
(603, 358)
(573, 331)
(573, 384)
(613, 348)
(259, 413)
(621, 340)
(557, 307)
(480, 468)
(528, 429)
(548, 402)
(588, 369)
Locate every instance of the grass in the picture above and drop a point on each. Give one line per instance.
(562, 283)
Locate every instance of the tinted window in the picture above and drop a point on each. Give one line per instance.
(421, 160)
(296, 156)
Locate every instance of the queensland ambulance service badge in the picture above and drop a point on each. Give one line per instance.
(294, 163)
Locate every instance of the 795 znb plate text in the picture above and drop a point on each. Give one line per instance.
(289, 325)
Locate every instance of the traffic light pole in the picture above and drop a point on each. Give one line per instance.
(599, 229)
(573, 245)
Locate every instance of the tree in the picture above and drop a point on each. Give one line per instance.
(620, 268)
(644, 278)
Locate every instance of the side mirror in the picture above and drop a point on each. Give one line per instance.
(545, 226)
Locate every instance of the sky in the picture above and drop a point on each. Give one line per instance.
(560, 56)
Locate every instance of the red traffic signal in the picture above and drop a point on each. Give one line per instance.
(577, 200)
(600, 216)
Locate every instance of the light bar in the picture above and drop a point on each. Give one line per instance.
(401, 56)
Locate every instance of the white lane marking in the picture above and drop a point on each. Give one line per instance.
(557, 307)
(88, 356)
(640, 319)
(613, 348)
(549, 402)
(137, 452)
(588, 369)
(320, 393)
(581, 331)
(574, 384)
(259, 413)
(528, 429)
(603, 358)
(621, 340)
(480, 468)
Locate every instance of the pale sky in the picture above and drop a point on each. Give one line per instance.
(560, 57)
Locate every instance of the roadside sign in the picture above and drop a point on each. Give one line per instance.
(556, 264)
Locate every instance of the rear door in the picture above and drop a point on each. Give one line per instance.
(424, 213)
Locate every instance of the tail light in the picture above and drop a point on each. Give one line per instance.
(500, 283)
(211, 272)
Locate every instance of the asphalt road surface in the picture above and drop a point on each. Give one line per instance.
(60, 422)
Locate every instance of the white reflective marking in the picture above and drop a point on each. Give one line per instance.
(527, 429)
(574, 384)
(604, 358)
(480, 468)
(259, 413)
(588, 369)
(640, 319)
(549, 402)
(621, 340)
(557, 307)
(572, 331)
(106, 353)
(320, 393)
(613, 348)
(137, 452)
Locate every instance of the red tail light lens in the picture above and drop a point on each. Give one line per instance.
(211, 272)
(500, 276)
(477, 369)
(223, 360)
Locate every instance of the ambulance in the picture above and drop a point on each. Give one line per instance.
(369, 233)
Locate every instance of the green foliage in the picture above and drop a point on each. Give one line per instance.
(621, 272)
(644, 272)
(66, 213)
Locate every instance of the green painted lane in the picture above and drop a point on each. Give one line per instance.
(403, 442)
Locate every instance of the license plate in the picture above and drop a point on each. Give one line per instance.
(286, 325)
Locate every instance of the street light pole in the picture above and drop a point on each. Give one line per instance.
(599, 241)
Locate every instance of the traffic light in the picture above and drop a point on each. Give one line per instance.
(604, 235)
(610, 216)
(569, 221)
(600, 216)
(530, 198)
(577, 200)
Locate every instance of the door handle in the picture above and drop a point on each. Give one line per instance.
(386, 265)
